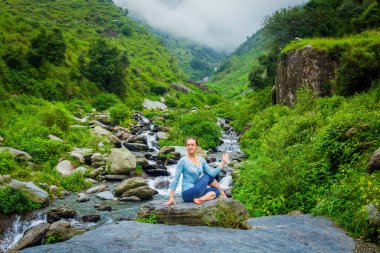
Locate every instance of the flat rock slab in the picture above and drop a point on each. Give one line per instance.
(272, 234)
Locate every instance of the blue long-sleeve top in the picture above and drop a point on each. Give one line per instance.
(191, 172)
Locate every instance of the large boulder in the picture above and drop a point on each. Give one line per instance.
(181, 88)
(32, 237)
(223, 212)
(128, 184)
(65, 168)
(120, 161)
(17, 153)
(142, 192)
(156, 105)
(374, 162)
(35, 193)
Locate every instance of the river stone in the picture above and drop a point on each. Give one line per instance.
(202, 153)
(80, 153)
(60, 224)
(101, 131)
(65, 167)
(81, 169)
(95, 189)
(18, 154)
(55, 214)
(136, 146)
(142, 192)
(115, 177)
(373, 214)
(130, 199)
(156, 105)
(166, 150)
(128, 184)
(106, 195)
(142, 161)
(104, 208)
(98, 164)
(35, 193)
(96, 172)
(218, 212)
(32, 237)
(97, 157)
(114, 139)
(162, 135)
(374, 162)
(64, 234)
(157, 172)
(120, 161)
(54, 138)
(82, 197)
(91, 218)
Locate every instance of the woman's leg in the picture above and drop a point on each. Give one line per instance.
(208, 196)
(199, 188)
(217, 185)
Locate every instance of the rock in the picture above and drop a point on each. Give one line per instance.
(32, 237)
(128, 184)
(181, 88)
(130, 199)
(54, 138)
(115, 177)
(18, 154)
(374, 162)
(142, 192)
(7, 179)
(156, 105)
(91, 218)
(99, 124)
(90, 180)
(136, 146)
(82, 197)
(96, 172)
(80, 153)
(164, 184)
(106, 195)
(295, 212)
(162, 100)
(223, 212)
(162, 135)
(81, 169)
(138, 139)
(55, 214)
(98, 164)
(373, 214)
(53, 189)
(102, 118)
(104, 208)
(65, 167)
(60, 224)
(121, 161)
(280, 233)
(35, 193)
(354, 130)
(64, 234)
(167, 150)
(97, 157)
(95, 189)
(114, 139)
(157, 172)
(202, 153)
(142, 161)
(101, 131)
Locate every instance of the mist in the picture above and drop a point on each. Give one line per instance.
(220, 24)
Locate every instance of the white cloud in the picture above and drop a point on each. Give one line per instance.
(220, 24)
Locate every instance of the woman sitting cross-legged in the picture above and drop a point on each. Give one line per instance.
(194, 184)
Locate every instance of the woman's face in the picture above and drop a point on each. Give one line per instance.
(191, 146)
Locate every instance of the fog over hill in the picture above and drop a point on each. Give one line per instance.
(220, 24)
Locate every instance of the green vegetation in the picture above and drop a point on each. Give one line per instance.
(13, 200)
(53, 239)
(75, 182)
(152, 218)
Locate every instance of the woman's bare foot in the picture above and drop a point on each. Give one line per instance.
(223, 195)
(198, 201)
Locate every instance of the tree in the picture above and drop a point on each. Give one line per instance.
(107, 67)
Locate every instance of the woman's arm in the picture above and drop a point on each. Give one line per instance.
(174, 183)
(214, 172)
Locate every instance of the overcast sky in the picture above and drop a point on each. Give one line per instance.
(220, 24)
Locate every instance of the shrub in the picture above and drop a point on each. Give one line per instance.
(7, 163)
(159, 89)
(119, 113)
(56, 115)
(13, 200)
(104, 101)
(75, 182)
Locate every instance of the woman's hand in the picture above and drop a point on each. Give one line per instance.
(171, 201)
(225, 160)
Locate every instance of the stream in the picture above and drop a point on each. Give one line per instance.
(122, 210)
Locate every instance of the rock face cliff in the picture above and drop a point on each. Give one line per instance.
(308, 67)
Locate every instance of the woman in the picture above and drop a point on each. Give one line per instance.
(194, 184)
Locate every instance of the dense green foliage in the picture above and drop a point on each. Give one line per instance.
(13, 200)
(75, 182)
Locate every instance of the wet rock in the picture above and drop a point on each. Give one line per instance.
(18, 154)
(162, 136)
(167, 150)
(136, 146)
(130, 199)
(164, 184)
(55, 214)
(82, 197)
(106, 195)
(96, 172)
(35, 193)
(54, 138)
(65, 167)
(138, 139)
(104, 208)
(374, 162)
(142, 192)
(202, 153)
(95, 189)
(157, 172)
(80, 154)
(60, 224)
(101, 131)
(121, 161)
(115, 177)
(128, 184)
(142, 161)
(32, 237)
(222, 212)
(91, 218)
(155, 105)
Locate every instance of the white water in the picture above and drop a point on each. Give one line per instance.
(16, 232)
